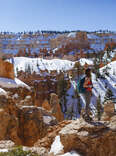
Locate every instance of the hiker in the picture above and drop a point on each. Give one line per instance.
(87, 85)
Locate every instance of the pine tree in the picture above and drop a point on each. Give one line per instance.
(77, 96)
(108, 95)
(17, 70)
(28, 68)
(78, 69)
(96, 68)
(99, 108)
(61, 91)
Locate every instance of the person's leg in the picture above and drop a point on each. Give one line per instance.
(87, 100)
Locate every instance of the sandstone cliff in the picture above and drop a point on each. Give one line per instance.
(6, 69)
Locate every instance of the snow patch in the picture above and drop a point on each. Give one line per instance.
(9, 83)
(37, 64)
(56, 146)
(83, 61)
(72, 153)
(3, 150)
(2, 92)
(72, 34)
(47, 119)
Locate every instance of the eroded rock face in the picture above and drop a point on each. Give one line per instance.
(55, 107)
(24, 125)
(8, 120)
(33, 124)
(52, 132)
(7, 69)
(108, 111)
(89, 139)
(42, 86)
(21, 96)
(46, 105)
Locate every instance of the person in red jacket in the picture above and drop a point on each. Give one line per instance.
(88, 90)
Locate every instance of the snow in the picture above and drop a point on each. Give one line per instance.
(72, 34)
(2, 92)
(48, 119)
(99, 88)
(112, 67)
(83, 61)
(10, 83)
(54, 50)
(97, 46)
(56, 146)
(15, 96)
(37, 64)
(92, 36)
(111, 54)
(3, 150)
(71, 53)
(21, 84)
(72, 153)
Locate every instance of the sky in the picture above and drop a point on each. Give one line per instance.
(26, 15)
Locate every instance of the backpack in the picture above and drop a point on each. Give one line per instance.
(80, 87)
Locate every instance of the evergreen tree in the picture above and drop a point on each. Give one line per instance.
(108, 95)
(77, 96)
(28, 68)
(99, 108)
(106, 70)
(61, 91)
(108, 51)
(17, 70)
(96, 68)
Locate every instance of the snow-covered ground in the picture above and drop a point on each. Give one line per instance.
(71, 153)
(2, 92)
(9, 83)
(3, 150)
(57, 148)
(100, 87)
(37, 64)
(72, 34)
(83, 61)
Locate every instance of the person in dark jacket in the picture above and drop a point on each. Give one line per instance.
(88, 90)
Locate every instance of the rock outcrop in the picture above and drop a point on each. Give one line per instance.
(89, 139)
(52, 132)
(108, 111)
(33, 124)
(55, 107)
(21, 123)
(46, 105)
(95, 138)
(8, 120)
(7, 69)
